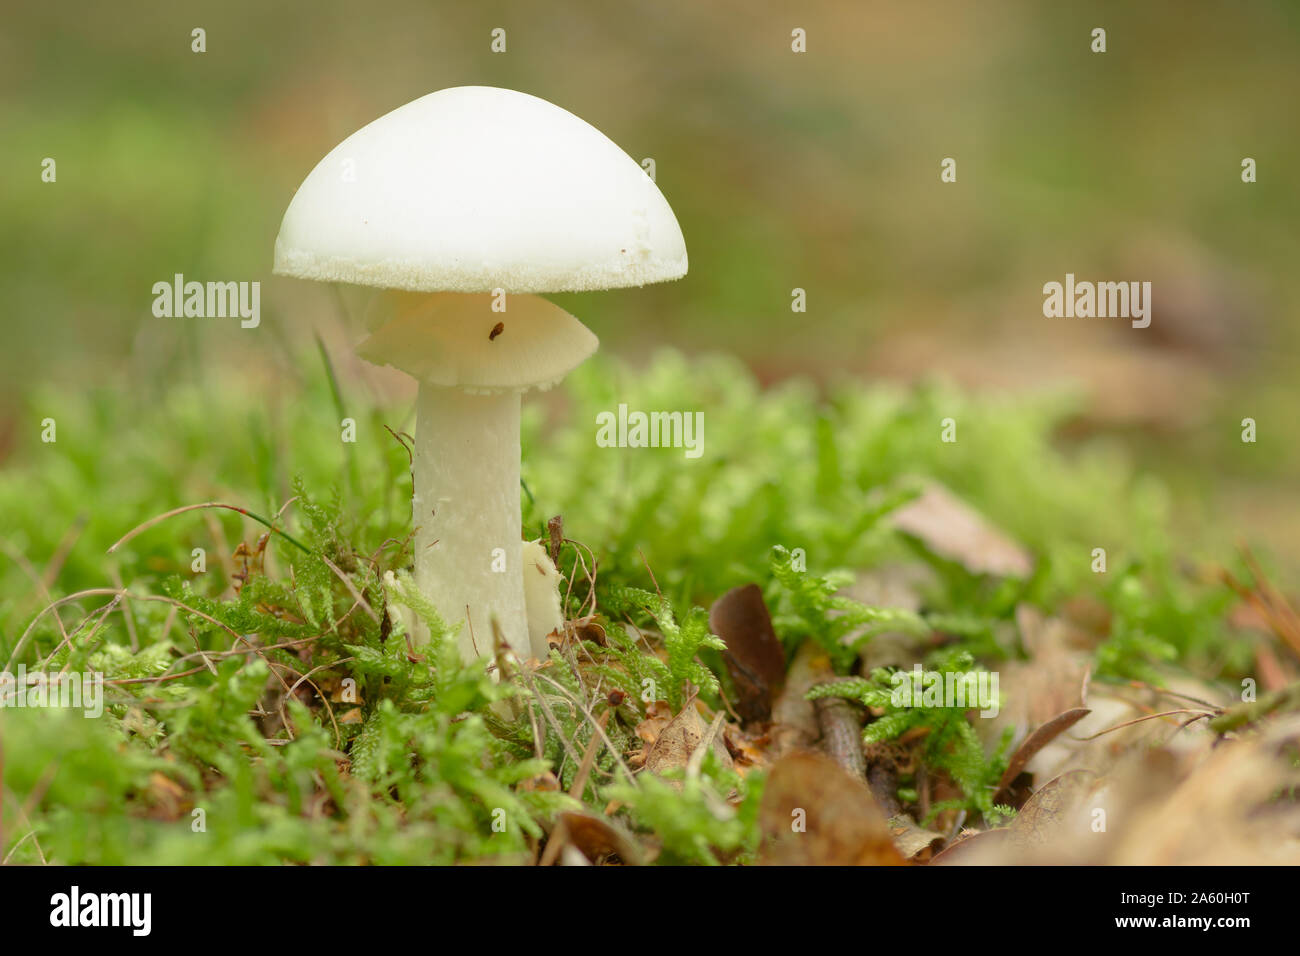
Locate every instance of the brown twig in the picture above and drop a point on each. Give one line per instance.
(1271, 605)
(588, 758)
(26, 566)
(352, 589)
(586, 712)
(1138, 720)
(651, 573)
(882, 779)
(114, 592)
(62, 550)
(127, 616)
(841, 726)
(1286, 699)
(338, 734)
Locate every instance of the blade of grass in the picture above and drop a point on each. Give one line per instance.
(207, 504)
(354, 475)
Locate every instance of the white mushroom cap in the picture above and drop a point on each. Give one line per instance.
(456, 340)
(472, 189)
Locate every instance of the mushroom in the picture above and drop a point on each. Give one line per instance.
(480, 196)
(472, 365)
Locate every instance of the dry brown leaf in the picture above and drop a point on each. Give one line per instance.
(596, 838)
(166, 795)
(815, 814)
(1048, 827)
(912, 840)
(1160, 805)
(545, 782)
(588, 629)
(1105, 736)
(657, 717)
(1049, 812)
(677, 741)
(975, 848)
(746, 750)
(950, 528)
(1035, 742)
(754, 656)
(1225, 811)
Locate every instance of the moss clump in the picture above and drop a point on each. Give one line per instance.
(264, 705)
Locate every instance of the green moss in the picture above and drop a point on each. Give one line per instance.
(296, 716)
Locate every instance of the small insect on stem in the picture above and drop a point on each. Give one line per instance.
(496, 330)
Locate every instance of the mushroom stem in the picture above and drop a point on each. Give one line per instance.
(465, 508)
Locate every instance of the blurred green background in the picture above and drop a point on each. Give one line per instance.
(816, 170)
